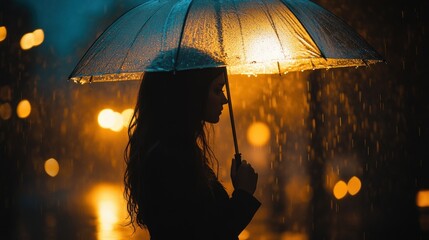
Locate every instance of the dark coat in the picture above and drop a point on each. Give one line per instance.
(176, 205)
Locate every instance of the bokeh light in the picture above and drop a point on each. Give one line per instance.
(32, 39)
(340, 189)
(27, 41)
(354, 185)
(3, 33)
(5, 111)
(117, 123)
(23, 109)
(258, 134)
(38, 37)
(5, 93)
(422, 199)
(106, 118)
(127, 114)
(52, 167)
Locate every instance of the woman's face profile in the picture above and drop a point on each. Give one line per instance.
(215, 100)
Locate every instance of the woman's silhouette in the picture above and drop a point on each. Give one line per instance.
(170, 186)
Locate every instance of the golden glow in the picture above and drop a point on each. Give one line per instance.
(258, 134)
(127, 114)
(263, 54)
(107, 212)
(23, 109)
(331, 177)
(297, 190)
(264, 48)
(340, 189)
(27, 41)
(38, 37)
(354, 185)
(3, 33)
(52, 167)
(422, 199)
(107, 202)
(5, 111)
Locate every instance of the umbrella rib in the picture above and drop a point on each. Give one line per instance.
(84, 64)
(299, 20)
(176, 58)
(219, 28)
(241, 28)
(378, 56)
(270, 19)
(137, 34)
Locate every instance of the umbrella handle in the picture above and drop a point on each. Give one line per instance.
(237, 154)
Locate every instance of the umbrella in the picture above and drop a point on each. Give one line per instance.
(246, 36)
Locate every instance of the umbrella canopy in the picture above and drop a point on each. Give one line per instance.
(246, 36)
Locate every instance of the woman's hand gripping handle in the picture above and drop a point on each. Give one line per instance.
(243, 175)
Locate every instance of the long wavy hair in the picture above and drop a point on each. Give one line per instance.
(170, 107)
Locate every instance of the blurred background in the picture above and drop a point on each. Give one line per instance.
(341, 153)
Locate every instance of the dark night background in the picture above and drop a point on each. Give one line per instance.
(393, 140)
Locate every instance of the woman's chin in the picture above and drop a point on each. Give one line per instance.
(212, 120)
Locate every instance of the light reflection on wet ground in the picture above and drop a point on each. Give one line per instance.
(94, 212)
(97, 214)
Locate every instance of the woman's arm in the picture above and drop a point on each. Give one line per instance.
(170, 195)
(243, 205)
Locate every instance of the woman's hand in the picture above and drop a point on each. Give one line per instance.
(245, 177)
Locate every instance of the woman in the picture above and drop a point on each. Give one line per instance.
(170, 186)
